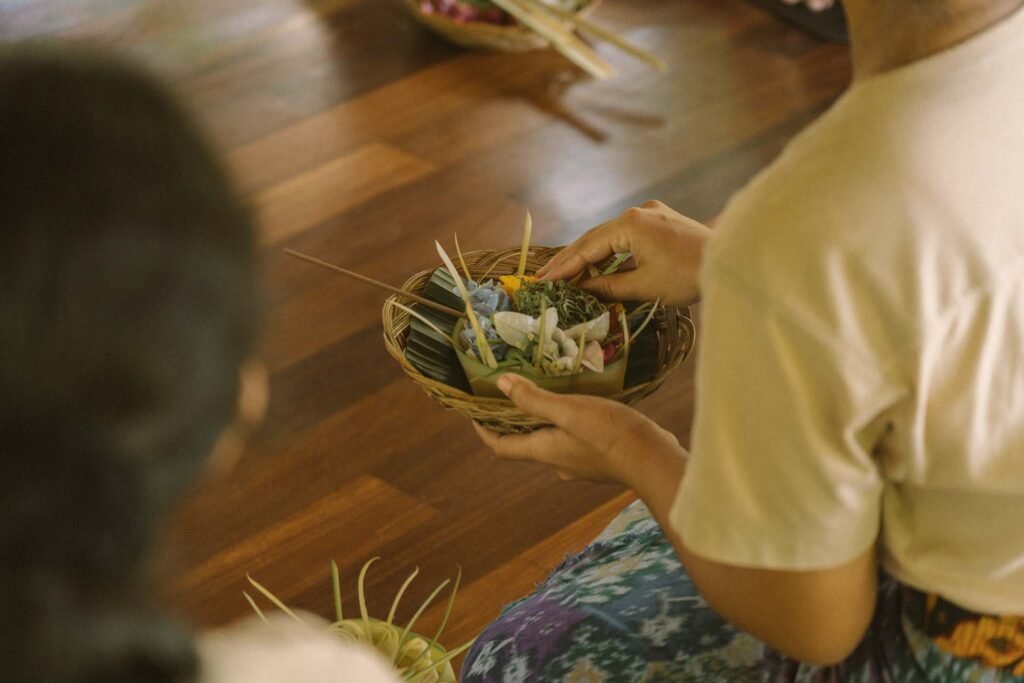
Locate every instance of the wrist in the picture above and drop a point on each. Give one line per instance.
(656, 467)
(698, 266)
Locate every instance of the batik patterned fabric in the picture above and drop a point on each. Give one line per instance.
(996, 642)
(624, 610)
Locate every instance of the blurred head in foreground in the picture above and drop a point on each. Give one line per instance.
(128, 312)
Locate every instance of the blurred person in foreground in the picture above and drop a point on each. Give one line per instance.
(129, 311)
(852, 504)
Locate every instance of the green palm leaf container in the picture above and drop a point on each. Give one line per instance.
(484, 380)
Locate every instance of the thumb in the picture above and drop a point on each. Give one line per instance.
(531, 399)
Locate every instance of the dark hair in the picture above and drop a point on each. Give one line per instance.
(128, 304)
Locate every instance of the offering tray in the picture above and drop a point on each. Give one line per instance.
(426, 354)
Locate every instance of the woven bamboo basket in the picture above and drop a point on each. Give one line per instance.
(674, 327)
(512, 38)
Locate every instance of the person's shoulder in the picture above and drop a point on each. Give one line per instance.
(281, 650)
(919, 161)
(825, 195)
(821, 237)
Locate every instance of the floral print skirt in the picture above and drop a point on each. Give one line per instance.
(624, 610)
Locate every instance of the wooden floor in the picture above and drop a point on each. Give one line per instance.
(360, 139)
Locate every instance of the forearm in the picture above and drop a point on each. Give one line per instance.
(656, 475)
(817, 616)
(657, 478)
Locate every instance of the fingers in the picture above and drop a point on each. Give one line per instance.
(568, 411)
(593, 438)
(597, 244)
(593, 247)
(539, 446)
(489, 438)
(625, 286)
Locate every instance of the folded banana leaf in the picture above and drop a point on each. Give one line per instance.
(436, 358)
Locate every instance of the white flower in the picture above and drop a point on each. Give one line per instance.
(593, 330)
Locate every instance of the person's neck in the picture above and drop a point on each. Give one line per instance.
(886, 34)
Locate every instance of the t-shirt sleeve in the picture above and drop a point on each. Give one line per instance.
(781, 474)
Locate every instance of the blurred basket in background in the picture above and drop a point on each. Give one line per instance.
(511, 37)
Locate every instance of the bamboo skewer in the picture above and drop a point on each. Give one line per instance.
(376, 283)
(462, 260)
(525, 250)
(603, 33)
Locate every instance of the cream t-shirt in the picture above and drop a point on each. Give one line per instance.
(861, 372)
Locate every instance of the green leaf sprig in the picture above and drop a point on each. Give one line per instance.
(574, 305)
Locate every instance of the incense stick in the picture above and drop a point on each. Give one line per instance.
(370, 281)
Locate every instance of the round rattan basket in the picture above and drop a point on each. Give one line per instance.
(674, 327)
(512, 38)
